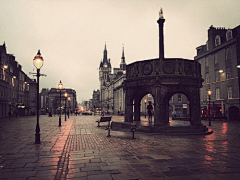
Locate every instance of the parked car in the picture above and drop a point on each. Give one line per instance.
(87, 113)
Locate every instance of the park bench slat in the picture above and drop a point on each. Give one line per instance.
(104, 119)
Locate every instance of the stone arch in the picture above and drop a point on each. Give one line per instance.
(233, 112)
(189, 93)
(137, 96)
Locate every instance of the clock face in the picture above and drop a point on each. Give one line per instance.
(105, 65)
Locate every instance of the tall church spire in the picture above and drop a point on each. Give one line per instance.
(123, 63)
(105, 54)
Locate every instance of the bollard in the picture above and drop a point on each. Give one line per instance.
(108, 128)
(133, 129)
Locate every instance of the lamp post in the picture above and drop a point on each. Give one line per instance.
(238, 67)
(209, 98)
(66, 95)
(38, 63)
(69, 99)
(145, 101)
(60, 86)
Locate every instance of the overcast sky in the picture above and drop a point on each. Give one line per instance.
(71, 34)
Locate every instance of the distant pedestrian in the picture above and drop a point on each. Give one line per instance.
(9, 114)
(150, 111)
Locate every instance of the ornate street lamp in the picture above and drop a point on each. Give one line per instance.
(209, 98)
(145, 101)
(238, 67)
(66, 95)
(60, 86)
(69, 99)
(38, 63)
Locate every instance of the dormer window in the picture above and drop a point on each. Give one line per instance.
(217, 40)
(229, 35)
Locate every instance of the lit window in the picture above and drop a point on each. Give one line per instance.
(228, 73)
(229, 92)
(217, 93)
(217, 40)
(229, 35)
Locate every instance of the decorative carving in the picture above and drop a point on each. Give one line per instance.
(161, 13)
(147, 68)
(168, 67)
(188, 68)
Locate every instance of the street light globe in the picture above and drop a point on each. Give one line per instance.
(5, 66)
(209, 92)
(60, 85)
(145, 101)
(238, 66)
(38, 60)
(69, 99)
(65, 94)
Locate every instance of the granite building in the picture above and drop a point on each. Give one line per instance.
(219, 59)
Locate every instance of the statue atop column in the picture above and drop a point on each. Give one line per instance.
(161, 14)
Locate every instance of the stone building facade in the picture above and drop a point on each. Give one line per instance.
(53, 100)
(111, 89)
(219, 59)
(17, 90)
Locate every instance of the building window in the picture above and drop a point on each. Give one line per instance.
(179, 98)
(229, 90)
(229, 35)
(217, 76)
(217, 93)
(228, 73)
(206, 61)
(216, 58)
(207, 78)
(228, 54)
(171, 100)
(217, 40)
(207, 44)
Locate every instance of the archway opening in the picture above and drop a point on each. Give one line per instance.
(145, 109)
(233, 113)
(179, 110)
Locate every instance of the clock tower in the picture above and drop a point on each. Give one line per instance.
(105, 68)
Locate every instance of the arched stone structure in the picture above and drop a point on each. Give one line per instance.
(162, 77)
(154, 76)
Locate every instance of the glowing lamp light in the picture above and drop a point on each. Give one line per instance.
(5, 66)
(238, 66)
(220, 71)
(38, 60)
(65, 94)
(209, 92)
(60, 85)
(145, 101)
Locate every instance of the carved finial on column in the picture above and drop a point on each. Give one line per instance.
(161, 13)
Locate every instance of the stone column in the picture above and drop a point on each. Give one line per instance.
(137, 110)
(128, 110)
(195, 108)
(157, 106)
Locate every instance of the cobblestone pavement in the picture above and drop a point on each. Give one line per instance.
(80, 150)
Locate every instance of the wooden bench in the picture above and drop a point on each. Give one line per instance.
(104, 119)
